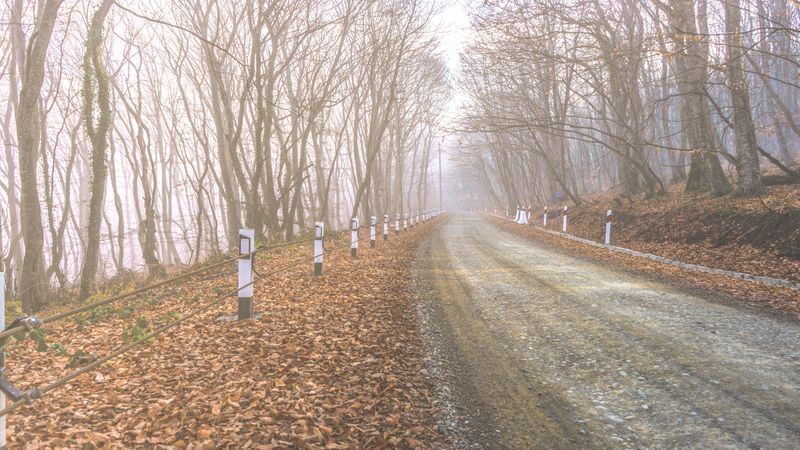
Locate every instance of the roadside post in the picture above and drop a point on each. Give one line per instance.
(544, 220)
(354, 237)
(529, 213)
(523, 216)
(373, 231)
(608, 227)
(564, 227)
(319, 235)
(385, 227)
(405, 221)
(246, 258)
(397, 223)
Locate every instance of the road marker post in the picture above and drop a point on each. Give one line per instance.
(373, 231)
(544, 220)
(354, 237)
(246, 260)
(523, 216)
(608, 227)
(397, 223)
(529, 213)
(319, 235)
(564, 227)
(405, 221)
(385, 227)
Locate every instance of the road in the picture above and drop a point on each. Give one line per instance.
(533, 348)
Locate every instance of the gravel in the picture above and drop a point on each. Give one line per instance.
(534, 348)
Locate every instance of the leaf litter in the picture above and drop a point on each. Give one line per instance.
(330, 362)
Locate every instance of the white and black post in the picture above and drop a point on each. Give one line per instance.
(564, 227)
(385, 227)
(544, 220)
(608, 227)
(373, 231)
(354, 237)
(523, 216)
(246, 248)
(405, 221)
(319, 249)
(397, 223)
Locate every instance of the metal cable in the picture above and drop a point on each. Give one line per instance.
(38, 392)
(135, 292)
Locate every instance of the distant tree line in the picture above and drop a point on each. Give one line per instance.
(585, 96)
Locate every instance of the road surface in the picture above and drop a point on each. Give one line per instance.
(533, 348)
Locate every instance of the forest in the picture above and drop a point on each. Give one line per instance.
(584, 97)
(334, 224)
(143, 135)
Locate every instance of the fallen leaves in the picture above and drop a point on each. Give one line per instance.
(331, 362)
(756, 235)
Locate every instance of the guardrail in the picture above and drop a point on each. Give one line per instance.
(673, 262)
(244, 293)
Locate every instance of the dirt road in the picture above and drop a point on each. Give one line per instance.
(533, 348)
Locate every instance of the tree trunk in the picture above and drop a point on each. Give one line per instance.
(95, 78)
(692, 70)
(747, 166)
(33, 284)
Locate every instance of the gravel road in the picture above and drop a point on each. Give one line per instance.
(532, 348)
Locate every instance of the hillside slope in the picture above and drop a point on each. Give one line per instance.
(759, 235)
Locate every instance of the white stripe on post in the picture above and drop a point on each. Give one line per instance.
(246, 248)
(608, 227)
(319, 235)
(2, 358)
(373, 231)
(564, 227)
(544, 221)
(397, 223)
(385, 227)
(354, 237)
